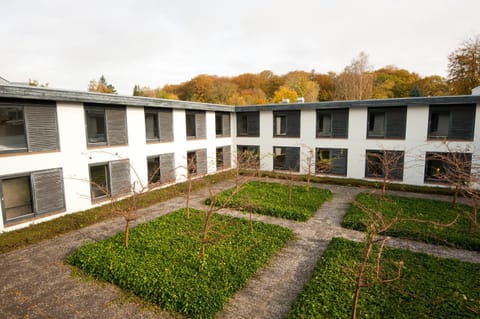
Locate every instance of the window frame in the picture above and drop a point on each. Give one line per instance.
(430, 179)
(156, 126)
(108, 180)
(393, 176)
(394, 118)
(114, 122)
(243, 121)
(331, 171)
(453, 111)
(339, 121)
(285, 157)
(152, 182)
(17, 108)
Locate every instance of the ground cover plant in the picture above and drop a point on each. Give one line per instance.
(429, 287)
(274, 199)
(46, 230)
(457, 234)
(162, 263)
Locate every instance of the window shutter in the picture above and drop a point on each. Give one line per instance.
(201, 161)
(226, 125)
(339, 162)
(200, 124)
(165, 121)
(227, 157)
(462, 123)
(293, 123)
(167, 168)
(253, 124)
(42, 128)
(292, 158)
(120, 177)
(48, 193)
(116, 126)
(340, 123)
(396, 122)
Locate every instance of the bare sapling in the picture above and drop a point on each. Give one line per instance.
(386, 165)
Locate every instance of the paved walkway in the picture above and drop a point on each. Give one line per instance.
(35, 283)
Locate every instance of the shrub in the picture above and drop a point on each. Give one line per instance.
(162, 264)
(430, 287)
(272, 199)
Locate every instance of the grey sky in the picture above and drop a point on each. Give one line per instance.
(152, 43)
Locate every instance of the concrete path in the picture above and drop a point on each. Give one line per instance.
(35, 283)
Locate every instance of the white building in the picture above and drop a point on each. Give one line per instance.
(61, 151)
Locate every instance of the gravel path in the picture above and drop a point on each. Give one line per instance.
(35, 283)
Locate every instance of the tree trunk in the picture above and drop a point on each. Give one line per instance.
(359, 281)
(127, 230)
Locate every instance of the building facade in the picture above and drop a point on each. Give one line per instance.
(66, 151)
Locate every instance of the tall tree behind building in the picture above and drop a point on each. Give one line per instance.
(102, 86)
(464, 66)
(356, 80)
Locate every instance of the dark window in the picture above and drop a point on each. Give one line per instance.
(387, 164)
(453, 122)
(331, 161)
(32, 194)
(387, 122)
(447, 168)
(286, 158)
(151, 126)
(192, 163)
(158, 125)
(191, 127)
(332, 123)
(12, 129)
(106, 125)
(286, 123)
(28, 126)
(99, 181)
(153, 167)
(218, 124)
(17, 197)
(248, 124)
(222, 124)
(219, 158)
(248, 156)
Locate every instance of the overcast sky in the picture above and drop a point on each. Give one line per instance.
(154, 42)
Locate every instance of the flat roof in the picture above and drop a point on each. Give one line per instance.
(39, 93)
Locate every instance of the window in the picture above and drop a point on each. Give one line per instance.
(28, 127)
(331, 161)
(453, 122)
(248, 156)
(158, 125)
(105, 125)
(248, 124)
(387, 164)
(197, 162)
(332, 123)
(387, 122)
(153, 167)
(151, 126)
(444, 167)
(192, 163)
(219, 158)
(161, 169)
(286, 123)
(32, 194)
(109, 179)
(222, 124)
(286, 158)
(196, 125)
(280, 125)
(96, 127)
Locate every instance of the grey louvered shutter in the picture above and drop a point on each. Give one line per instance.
(120, 177)
(165, 121)
(339, 162)
(293, 123)
(292, 158)
(340, 123)
(253, 124)
(167, 168)
(48, 193)
(462, 123)
(202, 161)
(201, 125)
(116, 126)
(396, 122)
(226, 125)
(227, 157)
(42, 128)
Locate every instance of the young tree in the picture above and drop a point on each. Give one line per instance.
(464, 66)
(386, 165)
